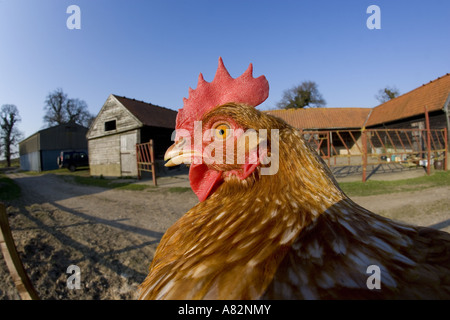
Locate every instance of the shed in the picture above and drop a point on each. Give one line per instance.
(121, 124)
(39, 151)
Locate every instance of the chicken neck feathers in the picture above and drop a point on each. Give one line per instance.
(293, 235)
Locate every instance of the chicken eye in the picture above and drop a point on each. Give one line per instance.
(222, 131)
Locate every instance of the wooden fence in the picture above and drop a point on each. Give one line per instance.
(12, 259)
(145, 159)
(407, 147)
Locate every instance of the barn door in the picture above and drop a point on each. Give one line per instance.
(128, 154)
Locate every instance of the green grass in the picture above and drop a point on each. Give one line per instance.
(56, 171)
(106, 183)
(14, 163)
(179, 189)
(373, 187)
(135, 187)
(9, 190)
(82, 176)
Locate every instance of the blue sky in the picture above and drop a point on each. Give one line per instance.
(154, 50)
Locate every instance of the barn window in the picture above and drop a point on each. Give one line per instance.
(110, 125)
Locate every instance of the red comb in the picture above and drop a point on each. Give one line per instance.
(223, 89)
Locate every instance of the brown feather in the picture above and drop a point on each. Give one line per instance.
(292, 235)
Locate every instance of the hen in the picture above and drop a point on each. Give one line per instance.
(272, 222)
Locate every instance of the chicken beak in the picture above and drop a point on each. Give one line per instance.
(179, 153)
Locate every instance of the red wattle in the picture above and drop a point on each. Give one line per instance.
(204, 180)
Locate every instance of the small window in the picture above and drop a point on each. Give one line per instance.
(110, 125)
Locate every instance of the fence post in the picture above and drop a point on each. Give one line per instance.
(152, 160)
(137, 162)
(328, 149)
(364, 147)
(446, 149)
(427, 123)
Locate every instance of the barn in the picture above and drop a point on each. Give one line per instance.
(121, 124)
(343, 125)
(39, 151)
(403, 112)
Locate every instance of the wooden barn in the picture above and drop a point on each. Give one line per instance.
(121, 124)
(39, 151)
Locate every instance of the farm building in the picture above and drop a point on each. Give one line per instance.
(320, 121)
(403, 112)
(39, 151)
(121, 124)
(408, 110)
(316, 119)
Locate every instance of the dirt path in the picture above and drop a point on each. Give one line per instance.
(429, 207)
(111, 235)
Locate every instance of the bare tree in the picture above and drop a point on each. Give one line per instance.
(77, 112)
(10, 135)
(54, 107)
(387, 94)
(59, 109)
(302, 96)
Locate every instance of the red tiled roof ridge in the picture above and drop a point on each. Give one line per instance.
(432, 94)
(419, 87)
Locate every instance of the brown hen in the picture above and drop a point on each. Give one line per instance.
(285, 233)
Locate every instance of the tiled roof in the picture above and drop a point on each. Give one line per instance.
(149, 114)
(323, 118)
(433, 95)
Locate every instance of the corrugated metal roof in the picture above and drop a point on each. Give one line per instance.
(149, 114)
(433, 95)
(323, 118)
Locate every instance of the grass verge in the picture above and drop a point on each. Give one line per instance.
(373, 187)
(179, 189)
(110, 184)
(82, 176)
(9, 190)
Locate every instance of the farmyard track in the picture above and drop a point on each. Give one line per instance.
(111, 234)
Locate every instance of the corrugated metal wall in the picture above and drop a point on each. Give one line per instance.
(30, 144)
(39, 151)
(31, 161)
(48, 159)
